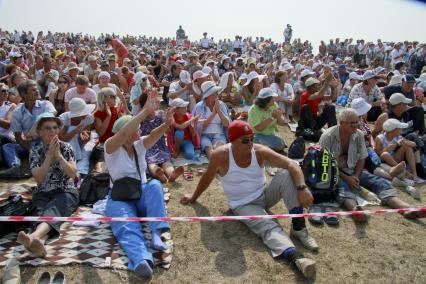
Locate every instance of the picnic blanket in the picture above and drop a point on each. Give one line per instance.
(198, 160)
(96, 247)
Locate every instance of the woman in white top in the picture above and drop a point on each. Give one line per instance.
(285, 93)
(393, 148)
(120, 160)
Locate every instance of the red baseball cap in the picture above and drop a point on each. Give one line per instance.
(237, 129)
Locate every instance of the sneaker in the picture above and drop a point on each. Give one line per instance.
(409, 181)
(306, 266)
(307, 241)
(411, 190)
(396, 182)
(418, 180)
(15, 173)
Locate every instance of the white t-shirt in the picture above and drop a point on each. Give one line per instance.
(175, 87)
(89, 95)
(120, 165)
(396, 55)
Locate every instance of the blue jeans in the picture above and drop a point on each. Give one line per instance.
(380, 186)
(272, 141)
(129, 234)
(84, 163)
(208, 140)
(187, 147)
(13, 153)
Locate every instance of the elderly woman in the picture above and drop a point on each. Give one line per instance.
(158, 156)
(231, 89)
(214, 118)
(107, 112)
(124, 154)
(264, 116)
(53, 167)
(141, 85)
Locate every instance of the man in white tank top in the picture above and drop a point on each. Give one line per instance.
(240, 167)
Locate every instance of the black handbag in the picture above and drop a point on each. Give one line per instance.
(127, 188)
(93, 188)
(15, 206)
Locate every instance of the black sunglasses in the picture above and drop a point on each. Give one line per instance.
(247, 140)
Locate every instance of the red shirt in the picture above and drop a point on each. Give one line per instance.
(187, 133)
(119, 47)
(102, 115)
(312, 104)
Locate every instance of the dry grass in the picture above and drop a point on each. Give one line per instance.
(389, 249)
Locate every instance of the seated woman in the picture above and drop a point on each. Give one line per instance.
(393, 148)
(264, 116)
(183, 135)
(285, 94)
(107, 112)
(57, 96)
(78, 122)
(231, 90)
(250, 91)
(120, 158)
(158, 156)
(53, 166)
(214, 118)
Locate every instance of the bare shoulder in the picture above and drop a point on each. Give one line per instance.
(220, 154)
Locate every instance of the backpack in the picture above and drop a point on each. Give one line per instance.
(94, 187)
(297, 148)
(321, 173)
(15, 206)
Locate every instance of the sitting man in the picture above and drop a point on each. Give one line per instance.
(23, 118)
(398, 104)
(310, 118)
(239, 166)
(347, 144)
(406, 88)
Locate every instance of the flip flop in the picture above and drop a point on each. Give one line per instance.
(58, 278)
(188, 175)
(330, 220)
(316, 220)
(45, 278)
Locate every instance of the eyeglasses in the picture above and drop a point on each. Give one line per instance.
(109, 96)
(62, 82)
(48, 128)
(247, 140)
(353, 124)
(144, 80)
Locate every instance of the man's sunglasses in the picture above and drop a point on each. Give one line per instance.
(247, 140)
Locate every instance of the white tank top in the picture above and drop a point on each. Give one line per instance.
(243, 185)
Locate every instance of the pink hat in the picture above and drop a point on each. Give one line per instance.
(199, 74)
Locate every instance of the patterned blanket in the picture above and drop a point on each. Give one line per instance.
(96, 247)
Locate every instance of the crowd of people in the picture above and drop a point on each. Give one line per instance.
(142, 101)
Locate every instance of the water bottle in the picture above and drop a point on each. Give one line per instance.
(368, 195)
(374, 157)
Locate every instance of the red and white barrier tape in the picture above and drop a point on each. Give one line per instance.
(193, 219)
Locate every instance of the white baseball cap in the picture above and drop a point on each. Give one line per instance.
(178, 102)
(355, 76)
(392, 124)
(360, 106)
(185, 77)
(311, 81)
(306, 72)
(266, 93)
(398, 98)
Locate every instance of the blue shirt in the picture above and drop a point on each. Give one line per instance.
(23, 119)
(390, 90)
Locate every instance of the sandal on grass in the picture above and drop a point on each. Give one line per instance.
(188, 175)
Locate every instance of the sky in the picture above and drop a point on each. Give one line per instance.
(389, 20)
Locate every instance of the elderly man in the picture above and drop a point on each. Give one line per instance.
(347, 144)
(23, 119)
(91, 68)
(239, 165)
(47, 78)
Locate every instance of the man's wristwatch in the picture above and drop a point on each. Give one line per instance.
(301, 187)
